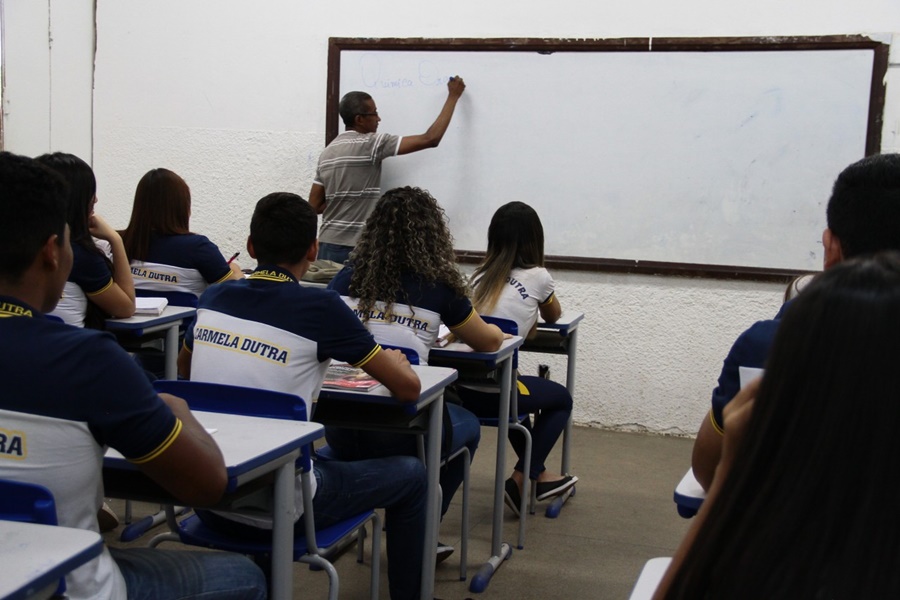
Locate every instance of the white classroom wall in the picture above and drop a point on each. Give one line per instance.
(231, 95)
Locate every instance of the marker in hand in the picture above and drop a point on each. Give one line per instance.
(233, 256)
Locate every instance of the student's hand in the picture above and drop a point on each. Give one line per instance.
(456, 86)
(507, 336)
(397, 356)
(99, 228)
(735, 417)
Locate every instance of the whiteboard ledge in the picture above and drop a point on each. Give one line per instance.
(647, 267)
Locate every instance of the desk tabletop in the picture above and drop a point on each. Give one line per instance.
(461, 351)
(433, 379)
(246, 442)
(565, 324)
(169, 314)
(35, 556)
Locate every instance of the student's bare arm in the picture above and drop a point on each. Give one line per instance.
(317, 198)
(184, 363)
(433, 136)
(482, 336)
(706, 454)
(392, 369)
(118, 299)
(192, 468)
(551, 311)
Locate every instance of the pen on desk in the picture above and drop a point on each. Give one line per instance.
(233, 256)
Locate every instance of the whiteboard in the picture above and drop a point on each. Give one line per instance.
(707, 158)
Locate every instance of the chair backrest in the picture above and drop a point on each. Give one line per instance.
(29, 503)
(411, 355)
(236, 400)
(26, 503)
(175, 298)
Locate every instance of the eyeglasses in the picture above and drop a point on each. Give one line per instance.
(371, 114)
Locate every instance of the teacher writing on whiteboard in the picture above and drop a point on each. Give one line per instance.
(348, 178)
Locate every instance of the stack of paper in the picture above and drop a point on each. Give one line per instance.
(150, 306)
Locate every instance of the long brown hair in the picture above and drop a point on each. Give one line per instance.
(407, 233)
(515, 241)
(805, 510)
(162, 206)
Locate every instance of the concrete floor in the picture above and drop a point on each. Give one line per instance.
(621, 516)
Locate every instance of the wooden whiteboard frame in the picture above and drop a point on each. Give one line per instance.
(720, 44)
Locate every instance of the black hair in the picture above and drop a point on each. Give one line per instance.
(807, 509)
(283, 228)
(33, 203)
(515, 241)
(82, 190)
(352, 104)
(864, 209)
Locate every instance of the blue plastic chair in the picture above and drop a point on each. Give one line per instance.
(316, 545)
(29, 503)
(688, 495)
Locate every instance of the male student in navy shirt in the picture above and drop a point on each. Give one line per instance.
(863, 217)
(268, 331)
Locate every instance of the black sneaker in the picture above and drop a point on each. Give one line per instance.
(549, 489)
(443, 553)
(512, 496)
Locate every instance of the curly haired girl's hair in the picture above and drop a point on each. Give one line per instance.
(407, 233)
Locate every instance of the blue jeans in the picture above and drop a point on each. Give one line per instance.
(352, 444)
(551, 404)
(345, 489)
(151, 574)
(335, 252)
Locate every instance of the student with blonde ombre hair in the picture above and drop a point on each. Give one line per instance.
(512, 283)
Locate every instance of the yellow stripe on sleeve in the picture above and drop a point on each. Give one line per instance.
(105, 287)
(369, 356)
(225, 277)
(173, 435)
(464, 321)
(712, 419)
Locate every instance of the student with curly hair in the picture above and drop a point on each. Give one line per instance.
(402, 282)
(512, 283)
(165, 255)
(801, 504)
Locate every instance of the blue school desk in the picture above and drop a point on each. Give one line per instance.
(469, 362)
(34, 557)
(169, 321)
(560, 337)
(252, 448)
(376, 409)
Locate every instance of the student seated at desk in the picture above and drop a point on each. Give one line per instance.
(802, 503)
(863, 217)
(267, 331)
(512, 283)
(69, 392)
(98, 286)
(165, 255)
(402, 282)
